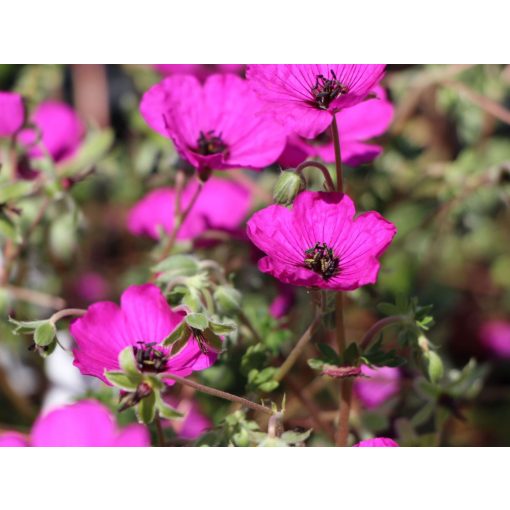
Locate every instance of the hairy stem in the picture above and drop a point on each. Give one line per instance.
(159, 430)
(298, 349)
(221, 394)
(346, 384)
(330, 186)
(376, 328)
(67, 312)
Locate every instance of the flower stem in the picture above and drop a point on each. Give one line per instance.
(330, 185)
(298, 349)
(179, 220)
(346, 384)
(218, 393)
(159, 430)
(376, 328)
(338, 155)
(67, 312)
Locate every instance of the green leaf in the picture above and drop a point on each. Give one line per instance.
(179, 344)
(223, 328)
(121, 380)
(165, 410)
(213, 340)
(45, 333)
(181, 332)
(8, 228)
(197, 321)
(128, 363)
(292, 437)
(14, 190)
(146, 409)
(329, 354)
(177, 265)
(315, 363)
(351, 354)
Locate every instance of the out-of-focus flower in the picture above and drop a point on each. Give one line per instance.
(221, 205)
(214, 126)
(85, 423)
(283, 302)
(91, 287)
(201, 71)
(304, 97)
(495, 336)
(12, 113)
(319, 242)
(12, 439)
(362, 122)
(378, 442)
(378, 385)
(58, 130)
(193, 424)
(143, 320)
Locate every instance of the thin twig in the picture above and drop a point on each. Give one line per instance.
(298, 349)
(376, 328)
(35, 297)
(159, 430)
(67, 312)
(221, 394)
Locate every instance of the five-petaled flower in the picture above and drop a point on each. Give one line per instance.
(157, 209)
(320, 243)
(364, 121)
(304, 97)
(143, 320)
(214, 126)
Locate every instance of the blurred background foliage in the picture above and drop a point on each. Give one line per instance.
(443, 179)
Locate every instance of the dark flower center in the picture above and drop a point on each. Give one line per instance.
(149, 359)
(326, 90)
(209, 143)
(321, 260)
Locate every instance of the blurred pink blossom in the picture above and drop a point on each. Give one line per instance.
(201, 71)
(378, 442)
(495, 336)
(378, 385)
(12, 113)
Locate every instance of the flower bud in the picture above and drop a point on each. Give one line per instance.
(228, 299)
(288, 185)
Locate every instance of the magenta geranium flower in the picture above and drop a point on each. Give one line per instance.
(304, 97)
(59, 128)
(12, 113)
(86, 423)
(378, 442)
(495, 335)
(201, 71)
(143, 320)
(377, 386)
(320, 243)
(221, 205)
(362, 122)
(217, 125)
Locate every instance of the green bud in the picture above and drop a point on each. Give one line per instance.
(435, 368)
(228, 299)
(44, 334)
(288, 185)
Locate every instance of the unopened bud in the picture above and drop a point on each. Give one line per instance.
(287, 187)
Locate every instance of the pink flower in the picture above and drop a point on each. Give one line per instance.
(304, 97)
(201, 71)
(378, 385)
(193, 424)
(319, 242)
(86, 423)
(361, 122)
(283, 302)
(12, 439)
(378, 442)
(12, 113)
(143, 321)
(91, 286)
(221, 205)
(495, 335)
(60, 128)
(217, 125)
